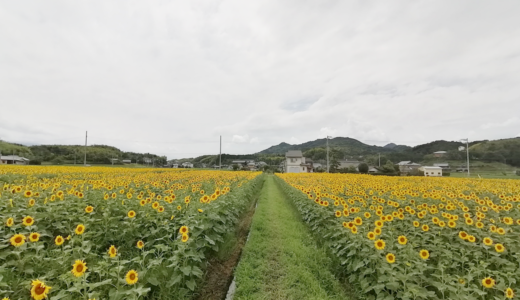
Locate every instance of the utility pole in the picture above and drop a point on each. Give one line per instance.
(220, 155)
(328, 168)
(85, 159)
(467, 154)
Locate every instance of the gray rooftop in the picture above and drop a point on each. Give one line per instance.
(294, 153)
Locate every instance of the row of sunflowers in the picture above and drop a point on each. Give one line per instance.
(416, 238)
(113, 233)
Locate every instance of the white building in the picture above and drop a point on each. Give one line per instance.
(13, 159)
(187, 165)
(295, 163)
(431, 171)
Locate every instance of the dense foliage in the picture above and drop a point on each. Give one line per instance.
(416, 238)
(113, 233)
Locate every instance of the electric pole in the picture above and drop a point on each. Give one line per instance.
(85, 159)
(328, 168)
(467, 154)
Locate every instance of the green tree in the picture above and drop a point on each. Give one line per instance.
(363, 168)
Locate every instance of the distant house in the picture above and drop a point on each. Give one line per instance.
(445, 166)
(147, 160)
(431, 171)
(187, 165)
(439, 153)
(372, 170)
(13, 159)
(317, 166)
(126, 161)
(295, 163)
(407, 166)
(175, 165)
(347, 163)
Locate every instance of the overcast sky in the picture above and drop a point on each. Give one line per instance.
(169, 77)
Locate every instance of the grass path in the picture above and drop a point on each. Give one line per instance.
(281, 260)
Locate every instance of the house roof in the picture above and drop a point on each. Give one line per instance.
(407, 163)
(294, 153)
(440, 152)
(432, 167)
(441, 165)
(14, 157)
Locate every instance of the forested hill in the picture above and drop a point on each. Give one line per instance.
(505, 150)
(65, 154)
(350, 145)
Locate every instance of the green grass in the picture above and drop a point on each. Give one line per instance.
(281, 260)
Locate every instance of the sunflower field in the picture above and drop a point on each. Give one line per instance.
(414, 237)
(113, 233)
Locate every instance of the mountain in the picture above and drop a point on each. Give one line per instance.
(350, 145)
(63, 154)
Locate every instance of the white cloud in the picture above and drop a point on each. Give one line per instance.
(172, 76)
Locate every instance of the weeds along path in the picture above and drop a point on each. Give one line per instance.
(281, 260)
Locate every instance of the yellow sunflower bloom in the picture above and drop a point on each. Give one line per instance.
(112, 251)
(39, 290)
(80, 229)
(390, 258)
(131, 277)
(17, 240)
(140, 244)
(488, 282)
(487, 241)
(424, 254)
(510, 294)
(59, 240)
(79, 268)
(34, 237)
(89, 209)
(499, 248)
(9, 222)
(402, 240)
(28, 221)
(380, 244)
(131, 214)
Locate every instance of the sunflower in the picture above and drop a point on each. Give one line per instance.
(112, 251)
(354, 229)
(416, 223)
(142, 202)
(59, 240)
(27, 194)
(17, 240)
(367, 215)
(140, 244)
(463, 235)
(183, 230)
(378, 230)
(358, 221)
(402, 240)
(425, 228)
(379, 244)
(34, 237)
(378, 223)
(9, 222)
(471, 239)
(452, 224)
(131, 277)
(39, 290)
(488, 282)
(89, 209)
(79, 268)
(424, 254)
(179, 207)
(337, 213)
(32, 202)
(185, 238)
(371, 235)
(199, 210)
(131, 214)
(499, 248)
(160, 209)
(487, 241)
(501, 231)
(510, 294)
(80, 229)
(390, 258)
(28, 221)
